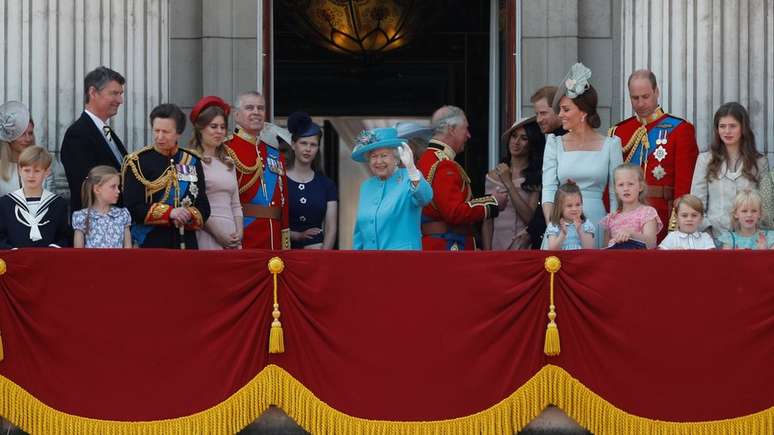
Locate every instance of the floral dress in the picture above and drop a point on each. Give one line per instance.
(104, 230)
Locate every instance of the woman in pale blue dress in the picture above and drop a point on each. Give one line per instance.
(582, 155)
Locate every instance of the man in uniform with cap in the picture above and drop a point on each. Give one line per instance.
(263, 185)
(447, 222)
(662, 144)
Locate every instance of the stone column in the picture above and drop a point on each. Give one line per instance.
(705, 53)
(48, 47)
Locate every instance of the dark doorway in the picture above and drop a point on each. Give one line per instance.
(445, 63)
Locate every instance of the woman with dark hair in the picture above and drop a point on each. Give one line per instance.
(223, 230)
(313, 196)
(519, 175)
(582, 155)
(731, 165)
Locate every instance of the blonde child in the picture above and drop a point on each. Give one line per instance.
(567, 228)
(100, 224)
(634, 225)
(746, 218)
(32, 216)
(690, 214)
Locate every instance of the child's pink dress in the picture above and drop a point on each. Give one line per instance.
(633, 220)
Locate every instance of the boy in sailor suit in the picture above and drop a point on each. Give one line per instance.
(32, 216)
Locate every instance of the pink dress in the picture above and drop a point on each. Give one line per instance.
(633, 220)
(507, 224)
(223, 194)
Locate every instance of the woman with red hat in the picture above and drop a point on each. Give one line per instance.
(223, 230)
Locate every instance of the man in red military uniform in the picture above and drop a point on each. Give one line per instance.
(662, 144)
(447, 223)
(263, 186)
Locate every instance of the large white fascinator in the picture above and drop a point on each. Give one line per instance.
(14, 118)
(575, 83)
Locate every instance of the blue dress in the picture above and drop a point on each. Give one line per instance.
(389, 212)
(733, 240)
(572, 241)
(308, 205)
(592, 171)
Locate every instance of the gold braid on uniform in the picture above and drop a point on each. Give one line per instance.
(165, 181)
(256, 170)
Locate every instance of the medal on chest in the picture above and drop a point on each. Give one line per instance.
(186, 172)
(275, 165)
(660, 154)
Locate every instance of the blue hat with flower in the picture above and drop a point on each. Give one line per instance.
(369, 140)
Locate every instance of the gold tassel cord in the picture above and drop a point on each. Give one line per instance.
(3, 269)
(552, 346)
(276, 339)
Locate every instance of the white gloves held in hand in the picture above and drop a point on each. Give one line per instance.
(407, 158)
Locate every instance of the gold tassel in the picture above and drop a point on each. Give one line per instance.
(276, 338)
(552, 346)
(3, 269)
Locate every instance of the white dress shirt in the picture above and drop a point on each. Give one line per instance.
(680, 240)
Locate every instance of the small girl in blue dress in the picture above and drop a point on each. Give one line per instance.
(745, 222)
(101, 224)
(568, 228)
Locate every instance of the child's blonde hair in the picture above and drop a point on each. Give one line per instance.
(642, 197)
(568, 188)
(746, 197)
(35, 155)
(97, 176)
(690, 201)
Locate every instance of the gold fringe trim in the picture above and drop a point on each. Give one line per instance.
(273, 385)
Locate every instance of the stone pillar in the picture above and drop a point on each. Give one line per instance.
(549, 44)
(48, 47)
(705, 53)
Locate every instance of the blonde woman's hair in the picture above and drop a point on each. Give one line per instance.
(566, 189)
(97, 176)
(690, 201)
(746, 197)
(642, 197)
(5, 160)
(35, 155)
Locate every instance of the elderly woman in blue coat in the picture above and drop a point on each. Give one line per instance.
(391, 201)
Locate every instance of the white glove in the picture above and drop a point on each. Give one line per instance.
(407, 158)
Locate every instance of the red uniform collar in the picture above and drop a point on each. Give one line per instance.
(657, 114)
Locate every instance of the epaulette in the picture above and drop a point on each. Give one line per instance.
(133, 156)
(193, 152)
(229, 137)
(611, 131)
(625, 121)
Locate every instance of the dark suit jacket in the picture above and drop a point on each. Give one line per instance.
(83, 148)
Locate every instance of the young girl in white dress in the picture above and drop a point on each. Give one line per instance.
(690, 214)
(100, 224)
